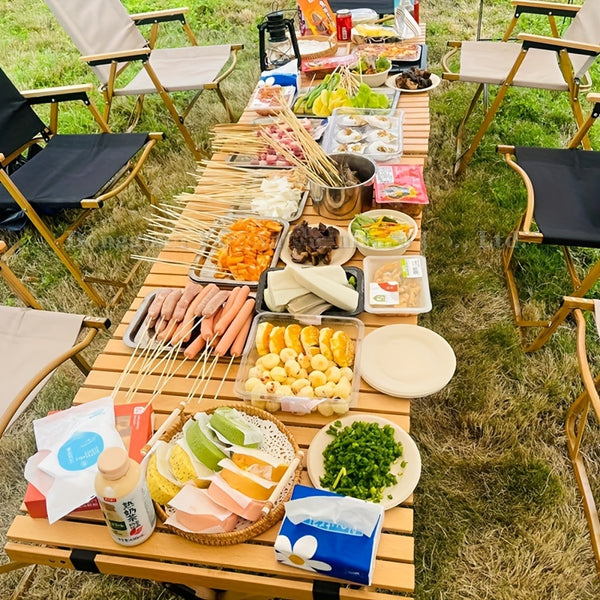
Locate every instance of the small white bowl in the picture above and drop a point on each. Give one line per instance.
(374, 79)
(397, 216)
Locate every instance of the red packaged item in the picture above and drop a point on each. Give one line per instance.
(327, 64)
(400, 187)
(134, 422)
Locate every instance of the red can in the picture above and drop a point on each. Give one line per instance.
(343, 25)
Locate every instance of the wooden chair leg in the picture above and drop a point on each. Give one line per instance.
(576, 423)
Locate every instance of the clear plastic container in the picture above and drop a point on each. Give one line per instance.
(370, 132)
(297, 382)
(396, 285)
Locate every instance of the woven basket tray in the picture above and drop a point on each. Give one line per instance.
(330, 51)
(248, 530)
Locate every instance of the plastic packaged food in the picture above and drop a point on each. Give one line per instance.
(301, 364)
(400, 187)
(396, 285)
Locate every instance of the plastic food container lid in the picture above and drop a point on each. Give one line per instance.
(405, 289)
(363, 15)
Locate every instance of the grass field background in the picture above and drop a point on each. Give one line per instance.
(497, 512)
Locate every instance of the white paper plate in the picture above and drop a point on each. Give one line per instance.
(435, 81)
(338, 257)
(406, 361)
(408, 477)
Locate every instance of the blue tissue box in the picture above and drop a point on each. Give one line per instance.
(326, 547)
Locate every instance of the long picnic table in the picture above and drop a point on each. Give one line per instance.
(249, 569)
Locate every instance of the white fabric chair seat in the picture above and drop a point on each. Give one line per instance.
(179, 69)
(29, 341)
(491, 62)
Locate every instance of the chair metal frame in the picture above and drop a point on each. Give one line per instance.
(119, 61)
(528, 41)
(523, 233)
(131, 172)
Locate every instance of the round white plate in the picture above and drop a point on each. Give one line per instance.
(407, 477)
(406, 361)
(435, 81)
(338, 257)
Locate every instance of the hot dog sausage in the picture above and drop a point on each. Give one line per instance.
(195, 347)
(240, 341)
(156, 304)
(235, 327)
(184, 330)
(208, 324)
(169, 304)
(231, 310)
(190, 292)
(210, 291)
(215, 303)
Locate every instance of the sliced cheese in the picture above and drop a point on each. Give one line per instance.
(342, 296)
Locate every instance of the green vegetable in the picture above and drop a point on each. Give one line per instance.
(358, 460)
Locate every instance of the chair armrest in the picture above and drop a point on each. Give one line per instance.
(58, 94)
(544, 8)
(551, 43)
(160, 16)
(97, 323)
(593, 97)
(108, 57)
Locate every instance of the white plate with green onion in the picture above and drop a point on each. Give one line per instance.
(406, 468)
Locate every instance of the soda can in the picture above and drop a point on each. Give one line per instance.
(343, 25)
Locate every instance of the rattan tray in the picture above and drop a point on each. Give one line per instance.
(248, 530)
(333, 46)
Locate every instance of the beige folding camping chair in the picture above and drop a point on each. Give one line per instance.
(563, 187)
(543, 62)
(33, 343)
(110, 42)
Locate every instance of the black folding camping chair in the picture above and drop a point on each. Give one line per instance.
(42, 173)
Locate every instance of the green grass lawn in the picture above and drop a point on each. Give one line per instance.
(497, 512)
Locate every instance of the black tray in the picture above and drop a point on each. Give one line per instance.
(401, 66)
(332, 312)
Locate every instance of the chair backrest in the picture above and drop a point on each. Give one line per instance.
(585, 27)
(97, 27)
(18, 121)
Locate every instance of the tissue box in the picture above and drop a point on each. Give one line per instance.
(134, 424)
(331, 546)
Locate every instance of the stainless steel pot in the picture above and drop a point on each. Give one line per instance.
(344, 202)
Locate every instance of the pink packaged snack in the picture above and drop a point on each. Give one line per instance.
(400, 187)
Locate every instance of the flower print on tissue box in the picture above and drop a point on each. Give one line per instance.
(330, 534)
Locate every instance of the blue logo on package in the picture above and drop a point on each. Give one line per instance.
(80, 451)
(334, 527)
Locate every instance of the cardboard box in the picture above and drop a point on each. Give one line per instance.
(134, 424)
(343, 546)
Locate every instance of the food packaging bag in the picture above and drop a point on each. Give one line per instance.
(69, 443)
(330, 534)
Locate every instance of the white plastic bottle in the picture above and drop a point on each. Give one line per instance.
(124, 497)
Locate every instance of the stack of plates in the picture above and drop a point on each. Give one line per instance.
(406, 361)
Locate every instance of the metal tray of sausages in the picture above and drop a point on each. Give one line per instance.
(137, 335)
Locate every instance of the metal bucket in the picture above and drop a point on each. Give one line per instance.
(344, 202)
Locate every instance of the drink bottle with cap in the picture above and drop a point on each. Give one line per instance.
(124, 497)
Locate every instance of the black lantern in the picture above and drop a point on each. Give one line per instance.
(282, 45)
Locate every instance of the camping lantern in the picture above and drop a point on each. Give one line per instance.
(281, 46)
